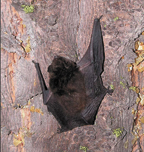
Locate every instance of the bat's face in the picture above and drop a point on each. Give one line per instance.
(60, 72)
(60, 66)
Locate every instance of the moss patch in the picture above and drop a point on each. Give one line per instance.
(28, 9)
(117, 132)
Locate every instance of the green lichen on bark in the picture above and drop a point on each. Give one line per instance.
(28, 9)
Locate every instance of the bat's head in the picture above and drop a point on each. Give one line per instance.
(61, 66)
(61, 71)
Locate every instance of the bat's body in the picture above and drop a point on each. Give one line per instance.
(76, 90)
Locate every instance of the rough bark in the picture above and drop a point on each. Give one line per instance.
(64, 27)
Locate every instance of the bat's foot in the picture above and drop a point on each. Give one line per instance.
(109, 91)
(60, 130)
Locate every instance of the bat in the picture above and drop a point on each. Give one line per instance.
(76, 90)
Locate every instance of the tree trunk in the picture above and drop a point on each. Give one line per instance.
(64, 27)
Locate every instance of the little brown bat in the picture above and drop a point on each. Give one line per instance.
(76, 90)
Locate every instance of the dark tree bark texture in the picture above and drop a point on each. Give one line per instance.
(64, 27)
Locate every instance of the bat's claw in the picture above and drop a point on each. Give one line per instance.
(34, 62)
(60, 130)
(109, 91)
(100, 17)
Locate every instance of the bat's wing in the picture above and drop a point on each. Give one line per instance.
(95, 54)
(92, 63)
(45, 91)
(92, 66)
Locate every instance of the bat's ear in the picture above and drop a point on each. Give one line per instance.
(57, 56)
(49, 69)
(70, 66)
(76, 67)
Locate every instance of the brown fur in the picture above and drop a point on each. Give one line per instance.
(67, 84)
